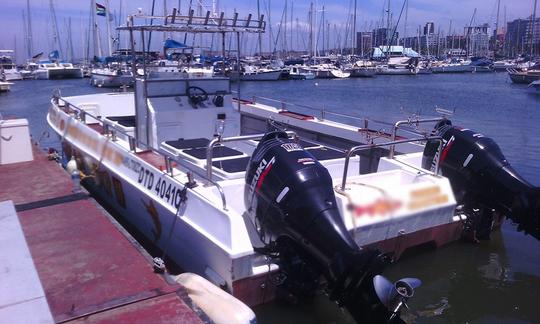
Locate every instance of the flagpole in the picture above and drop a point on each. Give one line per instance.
(94, 26)
(109, 38)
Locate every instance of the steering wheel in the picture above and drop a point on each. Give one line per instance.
(196, 95)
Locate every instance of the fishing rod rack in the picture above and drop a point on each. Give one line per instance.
(191, 23)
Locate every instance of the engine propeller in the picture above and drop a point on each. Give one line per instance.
(395, 295)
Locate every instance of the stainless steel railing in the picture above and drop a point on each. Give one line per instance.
(110, 129)
(363, 147)
(409, 122)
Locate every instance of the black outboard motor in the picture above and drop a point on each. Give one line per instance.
(483, 180)
(290, 195)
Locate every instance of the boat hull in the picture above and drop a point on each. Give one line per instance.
(261, 76)
(111, 81)
(397, 72)
(70, 73)
(363, 72)
(523, 77)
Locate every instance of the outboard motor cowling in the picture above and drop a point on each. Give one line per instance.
(290, 196)
(482, 178)
(294, 193)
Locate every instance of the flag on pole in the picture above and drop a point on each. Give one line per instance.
(101, 10)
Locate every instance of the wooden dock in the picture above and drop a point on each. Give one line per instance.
(87, 265)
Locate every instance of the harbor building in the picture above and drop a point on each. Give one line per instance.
(521, 34)
(477, 39)
(383, 36)
(364, 41)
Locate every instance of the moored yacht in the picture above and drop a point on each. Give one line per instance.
(47, 70)
(8, 69)
(525, 75)
(299, 73)
(112, 76)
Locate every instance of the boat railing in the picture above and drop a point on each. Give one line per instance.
(322, 112)
(219, 140)
(363, 147)
(112, 130)
(410, 122)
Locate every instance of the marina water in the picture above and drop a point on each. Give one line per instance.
(494, 281)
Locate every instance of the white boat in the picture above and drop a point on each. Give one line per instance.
(111, 77)
(47, 70)
(255, 73)
(299, 73)
(451, 68)
(362, 68)
(399, 65)
(504, 64)
(327, 71)
(5, 86)
(340, 74)
(8, 69)
(176, 157)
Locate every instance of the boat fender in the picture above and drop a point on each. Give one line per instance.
(219, 306)
(71, 166)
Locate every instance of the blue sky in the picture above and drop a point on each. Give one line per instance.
(336, 12)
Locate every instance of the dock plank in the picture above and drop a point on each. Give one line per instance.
(87, 267)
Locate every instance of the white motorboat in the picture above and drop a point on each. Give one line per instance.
(47, 70)
(362, 68)
(111, 77)
(5, 86)
(399, 65)
(451, 68)
(340, 74)
(502, 65)
(255, 73)
(299, 73)
(8, 69)
(176, 156)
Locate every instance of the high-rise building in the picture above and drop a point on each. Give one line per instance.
(429, 28)
(477, 39)
(522, 37)
(384, 36)
(364, 43)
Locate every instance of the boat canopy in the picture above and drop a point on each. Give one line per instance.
(171, 43)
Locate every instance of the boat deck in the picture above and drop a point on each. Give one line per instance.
(87, 264)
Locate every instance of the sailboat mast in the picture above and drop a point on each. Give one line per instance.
(259, 36)
(95, 41)
(496, 32)
(56, 36)
(311, 29)
(533, 27)
(29, 30)
(109, 38)
(25, 33)
(353, 38)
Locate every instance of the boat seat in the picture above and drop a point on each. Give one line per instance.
(325, 153)
(191, 143)
(217, 152)
(232, 165)
(126, 121)
(305, 144)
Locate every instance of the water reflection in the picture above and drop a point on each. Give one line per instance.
(472, 283)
